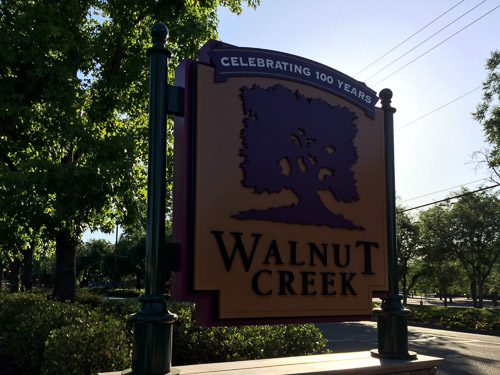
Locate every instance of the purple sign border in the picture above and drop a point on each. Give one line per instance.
(232, 61)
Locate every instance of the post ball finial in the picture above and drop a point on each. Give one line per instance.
(385, 94)
(385, 99)
(159, 32)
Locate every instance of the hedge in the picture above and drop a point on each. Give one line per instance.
(194, 344)
(42, 335)
(48, 337)
(470, 319)
(87, 347)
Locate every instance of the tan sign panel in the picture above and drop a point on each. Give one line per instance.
(289, 200)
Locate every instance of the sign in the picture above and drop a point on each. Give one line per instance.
(279, 190)
(240, 62)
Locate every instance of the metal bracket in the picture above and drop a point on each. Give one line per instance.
(175, 102)
(172, 257)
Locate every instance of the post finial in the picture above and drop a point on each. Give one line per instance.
(386, 96)
(159, 32)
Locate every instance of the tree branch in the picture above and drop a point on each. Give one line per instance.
(10, 24)
(117, 59)
(8, 161)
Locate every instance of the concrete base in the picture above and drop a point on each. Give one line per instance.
(357, 363)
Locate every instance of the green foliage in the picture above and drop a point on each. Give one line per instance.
(87, 346)
(125, 293)
(56, 337)
(467, 231)
(45, 269)
(409, 250)
(98, 299)
(27, 320)
(131, 250)
(457, 318)
(118, 292)
(64, 338)
(488, 112)
(86, 296)
(194, 344)
(73, 108)
(90, 259)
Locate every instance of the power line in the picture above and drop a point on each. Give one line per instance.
(418, 45)
(450, 198)
(407, 39)
(437, 109)
(440, 191)
(437, 45)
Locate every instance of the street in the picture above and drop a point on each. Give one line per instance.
(463, 353)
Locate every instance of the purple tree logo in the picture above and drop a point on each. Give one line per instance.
(301, 144)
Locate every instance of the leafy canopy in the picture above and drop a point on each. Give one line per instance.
(468, 231)
(73, 105)
(488, 112)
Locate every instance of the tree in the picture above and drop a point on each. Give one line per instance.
(10, 256)
(445, 275)
(440, 266)
(409, 246)
(18, 246)
(488, 112)
(45, 269)
(20, 237)
(493, 285)
(468, 231)
(301, 144)
(90, 260)
(131, 251)
(73, 97)
(476, 223)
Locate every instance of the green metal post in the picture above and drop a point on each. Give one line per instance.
(152, 346)
(392, 325)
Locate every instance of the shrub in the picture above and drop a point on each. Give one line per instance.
(118, 292)
(48, 337)
(457, 318)
(88, 297)
(27, 321)
(87, 346)
(96, 298)
(125, 293)
(119, 309)
(56, 337)
(10, 306)
(194, 344)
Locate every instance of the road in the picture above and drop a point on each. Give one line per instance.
(463, 353)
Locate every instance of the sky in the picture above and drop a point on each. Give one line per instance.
(435, 153)
(431, 54)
